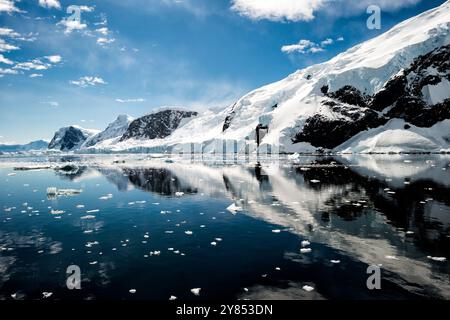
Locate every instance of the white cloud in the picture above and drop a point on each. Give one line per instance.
(71, 25)
(340, 39)
(103, 31)
(36, 75)
(6, 47)
(103, 41)
(86, 8)
(88, 81)
(54, 59)
(137, 100)
(307, 46)
(305, 10)
(35, 64)
(54, 104)
(303, 46)
(50, 4)
(7, 71)
(327, 42)
(6, 32)
(5, 60)
(8, 6)
(277, 10)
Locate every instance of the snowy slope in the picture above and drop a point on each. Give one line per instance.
(337, 95)
(113, 132)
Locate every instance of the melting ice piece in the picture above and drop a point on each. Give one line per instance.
(214, 243)
(87, 217)
(233, 208)
(315, 181)
(132, 291)
(172, 298)
(93, 211)
(57, 211)
(439, 259)
(47, 294)
(276, 231)
(305, 243)
(308, 288)
(305, 250)
(196, 291)
(335, 261)
(188, 232)
(179, 194)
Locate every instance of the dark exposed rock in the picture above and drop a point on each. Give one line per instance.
(229, 118)
(157, 125)
(394, 89)
(67, 139)
(349, 95)
(324, 132)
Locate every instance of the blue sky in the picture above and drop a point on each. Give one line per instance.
(129, 57)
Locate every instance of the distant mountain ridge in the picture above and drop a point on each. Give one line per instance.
(34, 145)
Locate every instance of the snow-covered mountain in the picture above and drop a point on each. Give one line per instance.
(70, 138)
(34, 145)
(111, 134)
(389, 94)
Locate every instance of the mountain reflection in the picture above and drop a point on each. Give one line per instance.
(368, 209)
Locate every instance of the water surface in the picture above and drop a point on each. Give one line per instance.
(389, 211)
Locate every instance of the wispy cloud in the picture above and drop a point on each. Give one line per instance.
(136, 100)
(53, 104)
(88, 81)
(305, 46)
(5, 60)
(6, 47)
(54, 59)
(36, 75)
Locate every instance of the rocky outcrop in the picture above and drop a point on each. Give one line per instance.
(157, 125)
(70, 138)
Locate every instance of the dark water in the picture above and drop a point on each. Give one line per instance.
(393, 212)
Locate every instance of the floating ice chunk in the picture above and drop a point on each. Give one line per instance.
(305, 243)
(189, 233)
(409, 233)
(196, 291)
(214, 243)
(276, 231)
(278, 268)
(107, 197)
(308, 288)
(93, 211)
(438, 259)
(305, 250)
(179, 194)
(93, 263)
(47, 294)
(55, 192)
(80, 206)
(218, 239)
(172, 298)
(131, 203)
(246, 289)
(233, 208)
(11, 174)
(57, 211)
(335, 261)
(315, 181)
(87, 217)
(132, 291)
(141, 202)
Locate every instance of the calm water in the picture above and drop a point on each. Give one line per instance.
(354, 212)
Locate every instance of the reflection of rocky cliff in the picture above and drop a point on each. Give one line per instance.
(161, 181)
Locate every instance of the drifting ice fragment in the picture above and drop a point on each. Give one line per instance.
(179, 194)
(93, 211)
(335, 261)
(57, 211)
(132, 291)
(438, 259)
(276, 231)
(172, 298)
(196, 291)
(233, 208)
(305, 250)
(188, 232)
(305, 243)
(47, 294)
(308, 288)
(87, 217)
